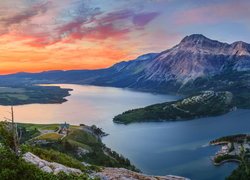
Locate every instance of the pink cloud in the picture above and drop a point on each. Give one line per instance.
(233, 10)
(48, 23)
(117, 16)
(105, 26)
(26, 15)
(107, 31)
(143, 19)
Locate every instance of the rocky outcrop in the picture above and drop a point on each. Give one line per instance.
(124, 174)
(104, 174)
(81, 151)
(49, 167)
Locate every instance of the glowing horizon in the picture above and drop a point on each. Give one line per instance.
(41, 35)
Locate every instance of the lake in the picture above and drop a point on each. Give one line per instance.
(162, 148)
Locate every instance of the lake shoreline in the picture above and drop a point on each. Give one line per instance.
(147, 145)
(33, 94)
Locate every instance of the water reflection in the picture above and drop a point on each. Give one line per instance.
(156, 148)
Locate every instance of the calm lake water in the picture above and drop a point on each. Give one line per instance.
(162, 148)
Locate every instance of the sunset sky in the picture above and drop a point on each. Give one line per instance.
(39, 35)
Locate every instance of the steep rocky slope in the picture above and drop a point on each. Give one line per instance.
(196, 56)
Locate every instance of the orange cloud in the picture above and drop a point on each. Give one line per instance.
(16, 56)
(68, 35)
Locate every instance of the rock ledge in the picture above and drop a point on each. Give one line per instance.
(49, 167)
(124, 174)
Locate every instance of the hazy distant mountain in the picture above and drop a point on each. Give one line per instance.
(196, 63)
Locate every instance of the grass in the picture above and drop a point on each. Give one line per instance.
(40, 126)
(45, 126)
(11, 90)
(13, 167)
(98, 154)
(20, 95)
(55, 156)
(78, 144)
(70, 146)
(226, 157)
(231, 138)
(50, 136)
(81, 136)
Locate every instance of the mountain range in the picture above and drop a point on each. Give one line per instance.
(197, 63)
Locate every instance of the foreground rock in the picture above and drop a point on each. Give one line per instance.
(105, 174)
(124, 174)
(49, 167)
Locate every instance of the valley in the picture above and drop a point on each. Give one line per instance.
(196, 64)
(207, 79)
(165, 141)
(124, 90)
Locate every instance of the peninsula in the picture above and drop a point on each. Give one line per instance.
(204, 104)
(234, 148)
(31, 94)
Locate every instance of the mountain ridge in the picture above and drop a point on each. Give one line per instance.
(197, 63)
(197, 55)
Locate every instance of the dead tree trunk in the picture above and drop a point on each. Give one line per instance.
(14, 132)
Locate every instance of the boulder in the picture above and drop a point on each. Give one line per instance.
(124, 174)
(47, 169)
(58, 170)
(41, 164)
(50, 167)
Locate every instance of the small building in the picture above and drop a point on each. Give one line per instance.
(64, 128)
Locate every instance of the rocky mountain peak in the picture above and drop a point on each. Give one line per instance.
(194, 38)
(200, 41)
(240, 44)
(197, 56)
(241, 47)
